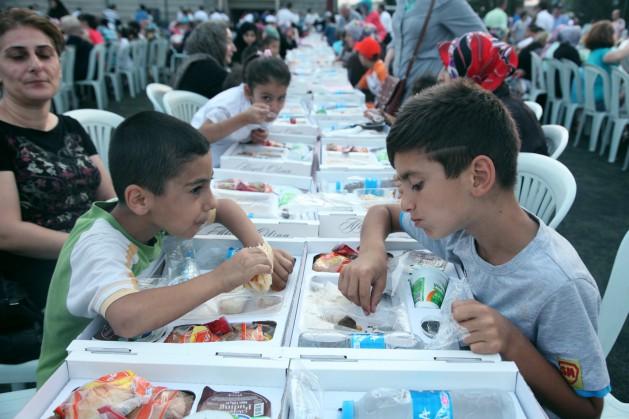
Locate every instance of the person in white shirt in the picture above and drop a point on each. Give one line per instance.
(544, 18)
(618, 23)
(310, 19)
(286, 17)
(385, 18)
(242, 113)
(111, 14)
(201, 15)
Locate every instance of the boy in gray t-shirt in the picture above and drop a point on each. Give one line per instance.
(455, 149)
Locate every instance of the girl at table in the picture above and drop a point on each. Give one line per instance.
(242, 113)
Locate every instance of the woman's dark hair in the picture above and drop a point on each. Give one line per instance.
(89, 19)
(15, 18)
(262, 70)
(601, 35)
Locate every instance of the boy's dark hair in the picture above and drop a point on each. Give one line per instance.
(150, 148)
(455, 122)
(601, 35)
(423, 82)
(262, 70)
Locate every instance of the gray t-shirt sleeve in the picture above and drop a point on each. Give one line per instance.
(567, 337)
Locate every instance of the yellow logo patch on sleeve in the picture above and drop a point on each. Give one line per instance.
(571, 371)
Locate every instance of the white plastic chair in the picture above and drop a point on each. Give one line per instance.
(111, 72)
(99, 124)
(556, 139)
(158, 52)
(536, 108)
(155, 93)
(538, 82)
(570, 77)
(618, 113)
(592, 73)
(96, 75)
(553, 103)
(65, 99)
(123, 56)
(182, 104)
(613, 313)
(545, 187)
(139, 49)
(17, 376)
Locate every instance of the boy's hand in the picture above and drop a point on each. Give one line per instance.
(283, 264)
(242, 267)
(259, 113)
(489, 331)
(364, 279)
(259, 135)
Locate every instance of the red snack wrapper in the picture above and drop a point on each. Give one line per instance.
(219, 326)
(345, 250)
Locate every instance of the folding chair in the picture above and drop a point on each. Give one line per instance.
(99, 125)
(96, 75)
(17, 375)
(592, 73)
(556, 139)
(553, 102)
(536, 108)
(65, 99)
(182, 104)
(570, 76)
(618, 113)
(613, 313)
(538, 83)
(155, 93)
(545, 187)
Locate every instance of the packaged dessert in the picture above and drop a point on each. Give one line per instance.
(124, 394)
(246, 402)
(239, 185)
(222, 331)
(334, 261)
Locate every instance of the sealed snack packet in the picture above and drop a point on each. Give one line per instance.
(124, 394)
(334, 261)
(262, 282)
(246, 402)
(221, 331)
(239, 185)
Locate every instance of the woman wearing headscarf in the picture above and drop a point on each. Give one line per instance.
(210, 49)
(488, 62)
(246, 35)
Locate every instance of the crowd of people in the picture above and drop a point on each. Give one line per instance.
(51, 175)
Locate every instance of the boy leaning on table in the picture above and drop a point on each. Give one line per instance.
(455, 150)
(161, 169)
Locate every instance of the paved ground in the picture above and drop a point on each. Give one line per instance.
(595, 225)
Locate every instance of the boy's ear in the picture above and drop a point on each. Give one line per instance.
(248, 92)
(483, 175)
(138, 199)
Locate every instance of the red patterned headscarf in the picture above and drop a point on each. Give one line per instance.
(480, 57)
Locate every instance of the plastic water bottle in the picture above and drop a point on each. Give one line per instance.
(409, 404)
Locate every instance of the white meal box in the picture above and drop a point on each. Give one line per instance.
(294, 159)
(201, 366)
(270, 223)
(207, 247)
(300, 125)
(373, 159)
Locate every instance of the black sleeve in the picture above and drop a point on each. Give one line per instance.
(203, 77)
(529, 129)
(6, 165)
(72, 126)
(355, 69)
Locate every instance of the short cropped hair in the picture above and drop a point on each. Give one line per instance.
(15, 17)
(150, 148)
(601, 35)
(455, 122)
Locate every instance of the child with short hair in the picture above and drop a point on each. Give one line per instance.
(161, 170)
(455, 149)
(369, 55)
(242, 113)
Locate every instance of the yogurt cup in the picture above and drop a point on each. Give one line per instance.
(428, 286)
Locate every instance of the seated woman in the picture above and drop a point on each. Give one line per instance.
(210, 50)
(600, 40)
(247, 35)
(50, 172)
(488, 62)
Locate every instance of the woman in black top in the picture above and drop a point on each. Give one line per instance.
(50, 172)
(210, 50)
(246, 35)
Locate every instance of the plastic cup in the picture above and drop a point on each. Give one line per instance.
(428, 286)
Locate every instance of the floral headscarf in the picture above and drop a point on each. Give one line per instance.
(480, 57)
